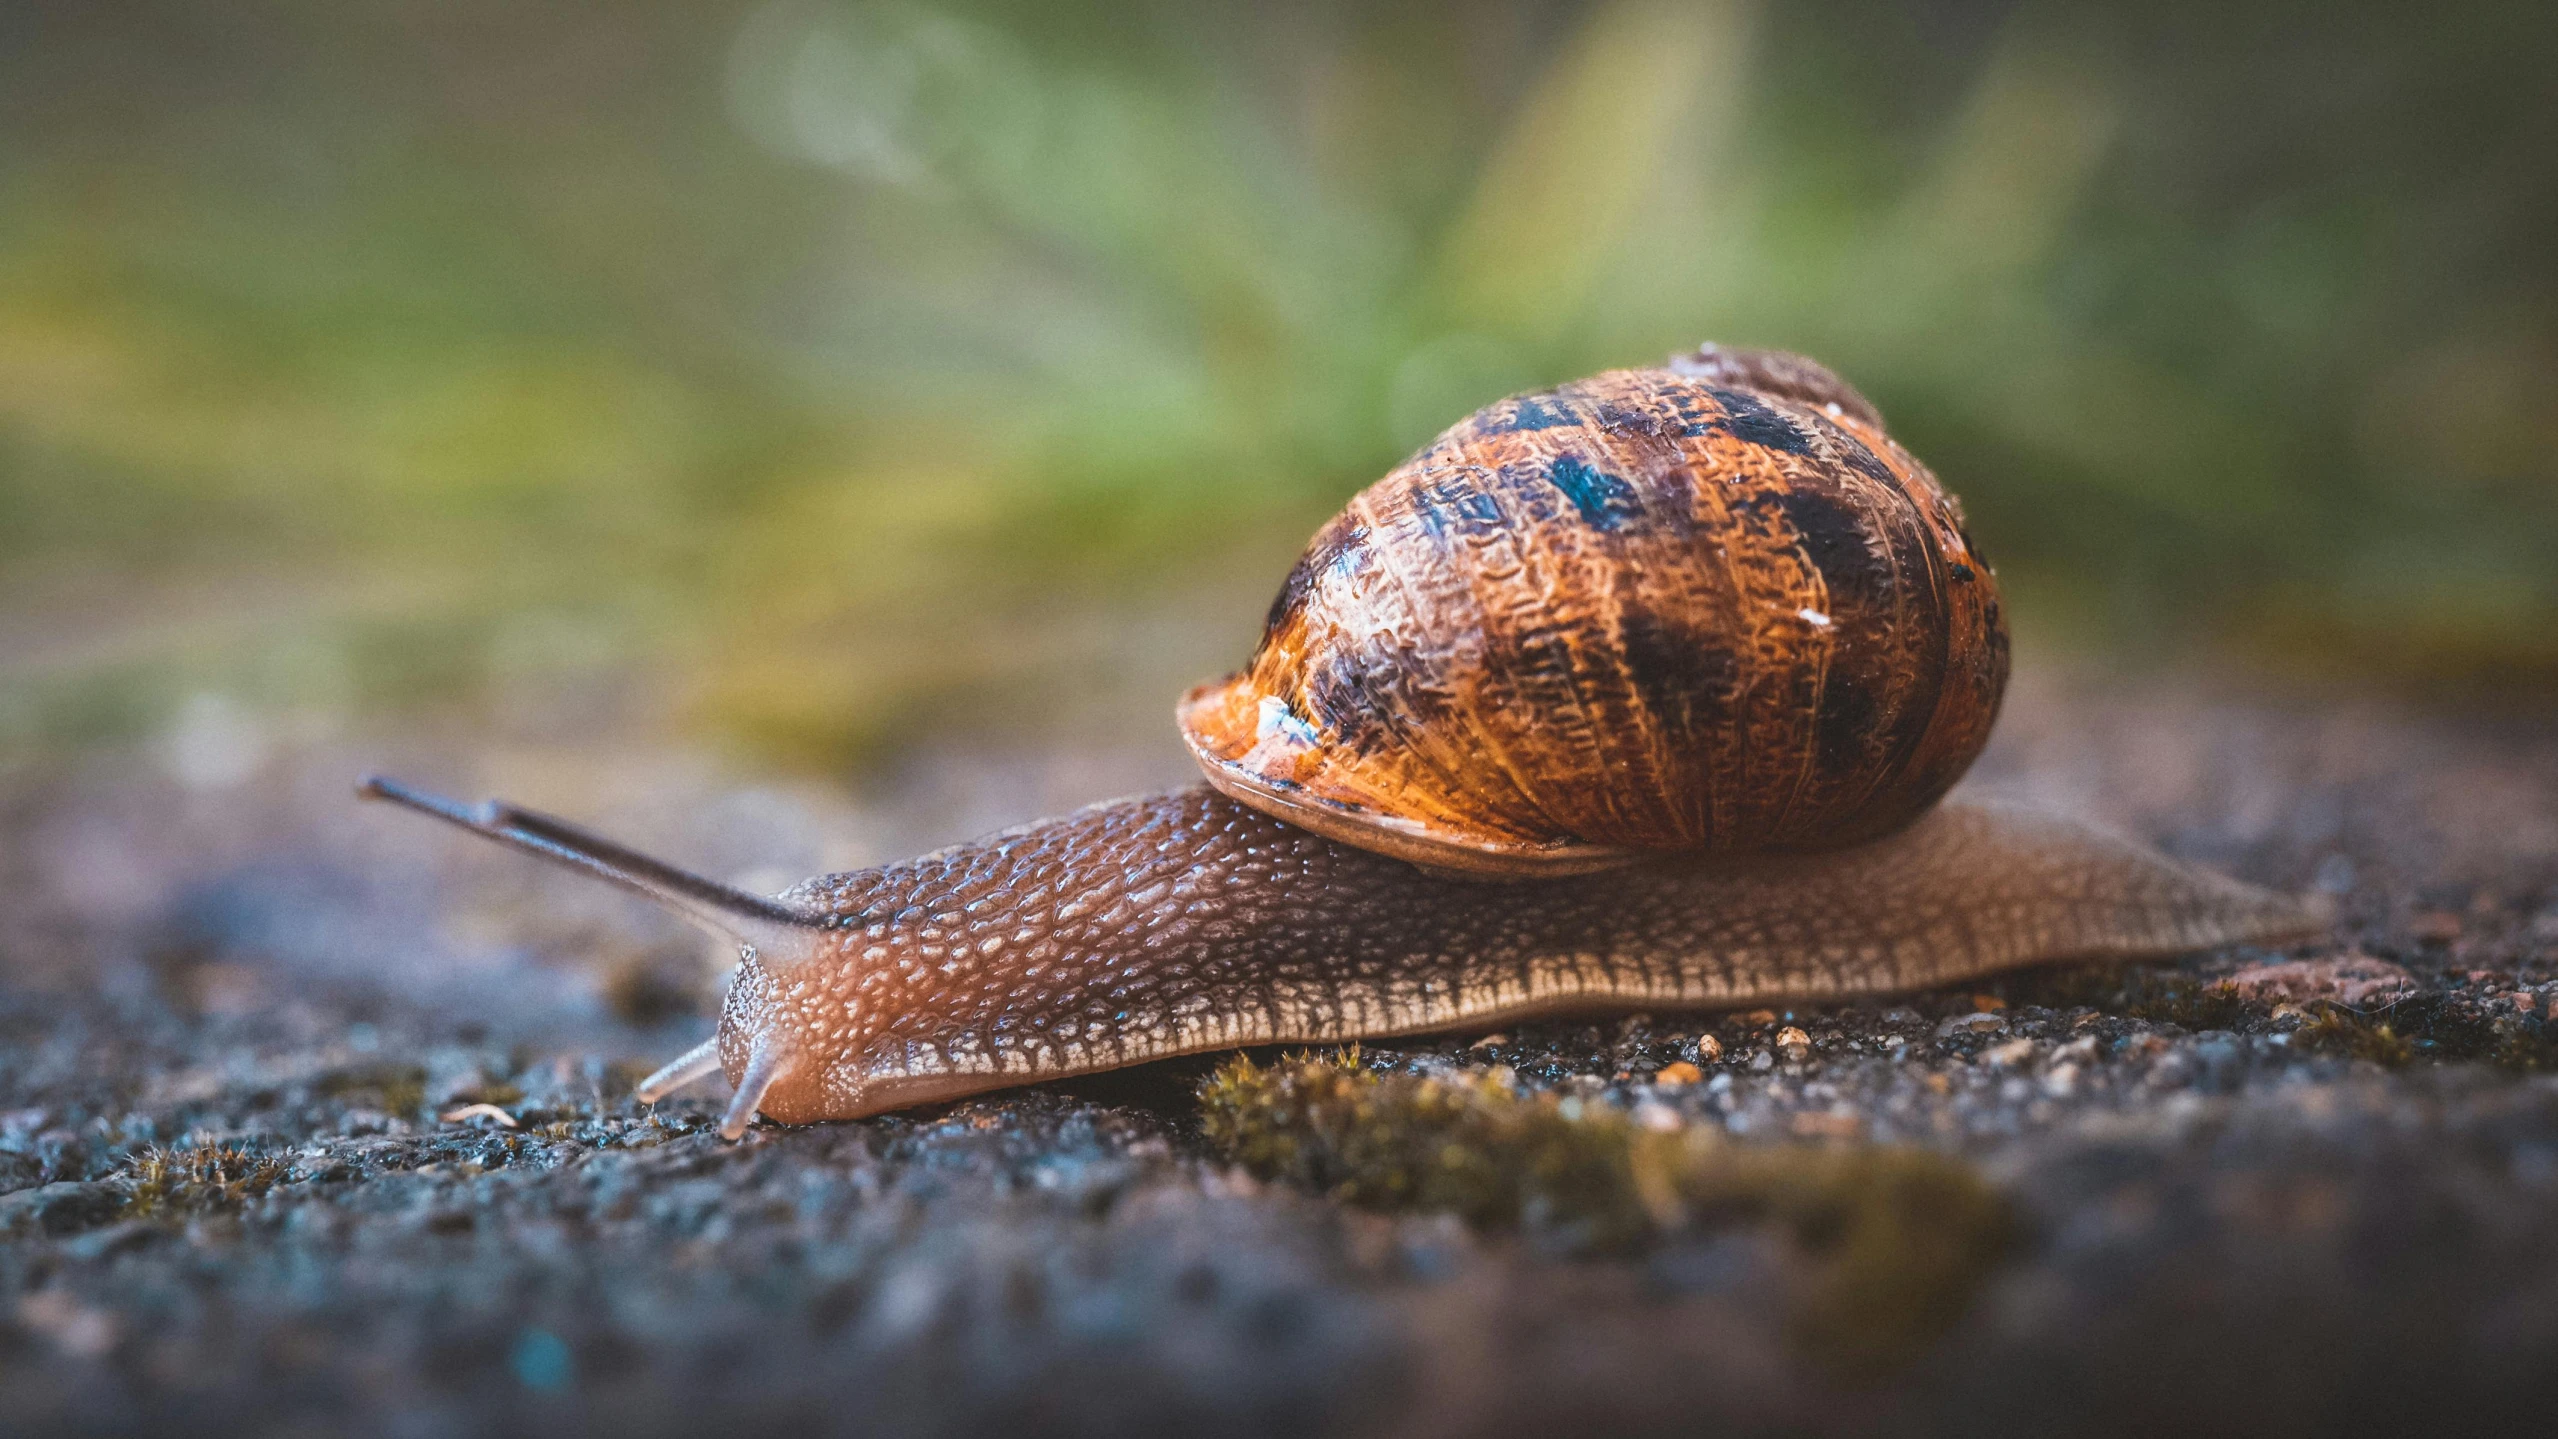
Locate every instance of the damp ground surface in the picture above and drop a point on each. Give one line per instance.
(313, 1119)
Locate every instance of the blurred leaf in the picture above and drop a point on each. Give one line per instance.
(1574, 165)
(835, 373)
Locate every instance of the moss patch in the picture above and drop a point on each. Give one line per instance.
(207, 1176)
(2160, 996)
(395, 1088)
(2434, 1026)
(1896, 1241)
(2441, 1023)
(2334, 1029)
(2447, 1025)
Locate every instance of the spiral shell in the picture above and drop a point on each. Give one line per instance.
(1710, 606)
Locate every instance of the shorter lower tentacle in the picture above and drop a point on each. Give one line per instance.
(763, 1069)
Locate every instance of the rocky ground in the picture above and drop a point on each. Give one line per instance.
(313, 1118)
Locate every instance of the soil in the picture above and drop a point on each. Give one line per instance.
(316, 1119)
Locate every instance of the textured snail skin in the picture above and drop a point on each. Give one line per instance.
(1709, 605)
(1180, 922)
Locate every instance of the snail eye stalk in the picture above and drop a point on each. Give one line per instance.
(780, 933)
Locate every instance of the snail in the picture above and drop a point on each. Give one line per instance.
(1640, 692)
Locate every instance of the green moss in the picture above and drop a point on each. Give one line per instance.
(2176, 999)
(2528, 1046)
(2450, 1027)
(2334, 1029)
(2433, 1026)
(1897, 1240)
(395, 1088)
(208, 1176)
(2161, 996)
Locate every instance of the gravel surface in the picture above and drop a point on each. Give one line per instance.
(314, 1119)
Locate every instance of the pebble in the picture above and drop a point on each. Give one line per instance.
(2349, 979)
(1793, 1045)
(1828, 1126)
(57, 1208)
(1660, 1118)
(2435, 926)
(78, 1330)
(1678, 1074)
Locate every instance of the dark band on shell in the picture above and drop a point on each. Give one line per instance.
(1710, 606)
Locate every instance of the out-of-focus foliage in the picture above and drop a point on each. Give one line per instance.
(816, 371)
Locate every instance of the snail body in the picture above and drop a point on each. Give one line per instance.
(1181, 922)
(1681, 661)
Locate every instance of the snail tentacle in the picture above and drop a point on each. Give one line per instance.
(764, 1069)
(699, 1062)
(780, 932)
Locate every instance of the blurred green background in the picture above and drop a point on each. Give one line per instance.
(810, 377)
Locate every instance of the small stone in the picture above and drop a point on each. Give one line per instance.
(2014, 1052)
(1490, 1041)
(1708, 1049)
(1660, 1118)
(58, 1208)
(1759, 1018)
(1678, 1074)
(1978, 1023)
(2352, 979)
(1793, 1045)
(113, 1240)
(1828, 1126)
(77, 1329)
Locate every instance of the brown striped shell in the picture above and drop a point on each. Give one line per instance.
(1710, 606)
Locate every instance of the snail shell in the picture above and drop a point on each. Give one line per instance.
(1710, 606)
